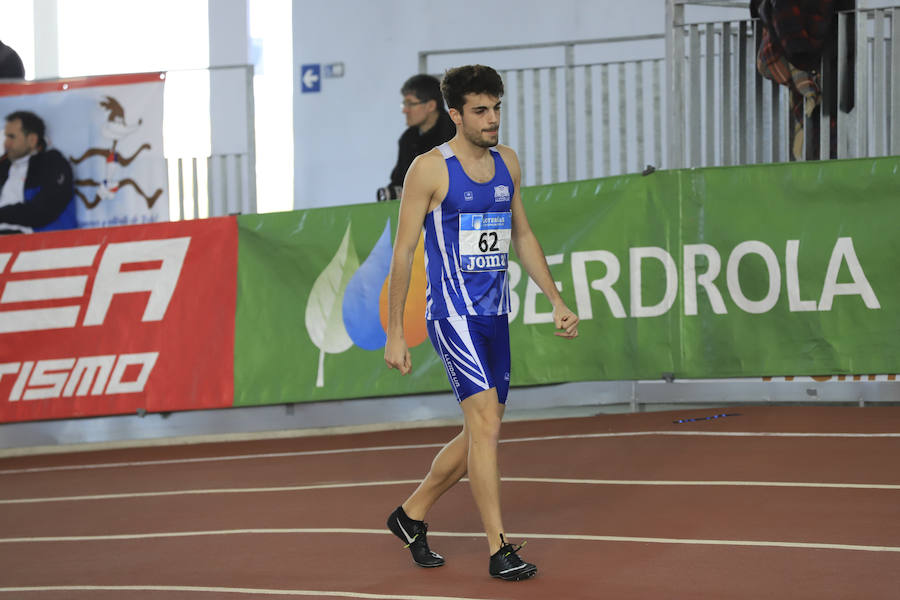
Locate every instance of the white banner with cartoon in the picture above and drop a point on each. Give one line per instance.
(110, 128)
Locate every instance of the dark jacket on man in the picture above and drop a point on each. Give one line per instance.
(11, 66)
(49, 192)
(412, 143)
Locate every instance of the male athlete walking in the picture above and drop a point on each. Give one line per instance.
(466, 195)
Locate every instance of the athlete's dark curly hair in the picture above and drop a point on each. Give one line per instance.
(470, 79)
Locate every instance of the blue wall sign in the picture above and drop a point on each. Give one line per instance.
(310, 78)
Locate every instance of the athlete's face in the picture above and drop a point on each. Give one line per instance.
(16, 143)
(479, 120)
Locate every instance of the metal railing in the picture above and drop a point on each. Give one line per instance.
(724, 112)
(211, 186)
(217, 184)
(571, 114)
(690, 97)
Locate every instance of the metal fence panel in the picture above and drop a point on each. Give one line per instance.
(894, 85)
(596, 118)
(218, 184)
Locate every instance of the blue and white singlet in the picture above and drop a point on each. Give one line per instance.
(467, 244)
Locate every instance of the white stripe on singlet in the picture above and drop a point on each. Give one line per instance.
(428, 290)
(470, 308)
(439, 234)
(448, 153)
(501, 306)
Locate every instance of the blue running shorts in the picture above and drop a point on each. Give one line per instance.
(475, 353)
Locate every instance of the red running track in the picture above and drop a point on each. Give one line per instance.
(783, 502)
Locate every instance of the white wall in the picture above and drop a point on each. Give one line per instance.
(272, 39)
(346, 136)
(17, 30)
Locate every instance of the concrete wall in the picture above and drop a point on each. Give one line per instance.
(346, 136)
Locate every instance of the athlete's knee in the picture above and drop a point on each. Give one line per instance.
(481, 416)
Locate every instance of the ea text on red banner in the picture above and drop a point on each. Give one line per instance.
(164, 258)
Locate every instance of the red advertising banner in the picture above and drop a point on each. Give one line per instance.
(117, 320)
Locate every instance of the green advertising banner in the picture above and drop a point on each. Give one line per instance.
(707, 273)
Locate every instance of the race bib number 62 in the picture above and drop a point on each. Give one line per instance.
(484, 240)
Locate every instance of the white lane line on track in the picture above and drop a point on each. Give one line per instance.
(788, 484)
(327, 486)
(223, 590)
(177, 461)
(293, 488)
(475, 535)
(174, 461)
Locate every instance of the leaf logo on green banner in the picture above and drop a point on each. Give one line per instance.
(324, 321)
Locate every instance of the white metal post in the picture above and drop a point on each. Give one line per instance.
(675, 84)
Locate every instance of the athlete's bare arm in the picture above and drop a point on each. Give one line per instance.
(425, 179)
(530, 253)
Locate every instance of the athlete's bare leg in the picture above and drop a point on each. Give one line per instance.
(483, 413)
(473, 450)
(447, 468)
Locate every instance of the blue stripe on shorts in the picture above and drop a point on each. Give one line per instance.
(475, 353)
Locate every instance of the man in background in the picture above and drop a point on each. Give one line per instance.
(428, 126)
(36, 188)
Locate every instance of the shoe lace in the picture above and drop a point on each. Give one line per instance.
(422, 531)
(509, 548)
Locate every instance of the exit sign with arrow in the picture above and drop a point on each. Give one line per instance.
(310, 78)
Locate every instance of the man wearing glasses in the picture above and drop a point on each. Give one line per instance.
(428, 126)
